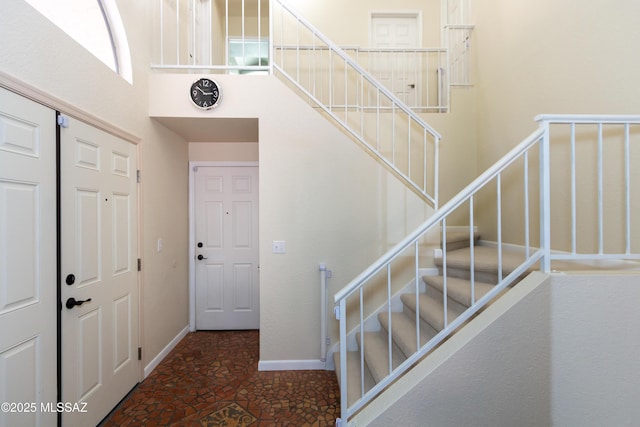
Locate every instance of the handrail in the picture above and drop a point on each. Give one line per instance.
(539, 254)
(588, 118)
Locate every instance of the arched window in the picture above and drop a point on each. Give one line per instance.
(96, 25)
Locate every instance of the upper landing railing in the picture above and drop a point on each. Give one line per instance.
(234, 36)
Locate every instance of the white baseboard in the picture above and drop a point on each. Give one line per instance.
(291, 365)
(165, 351)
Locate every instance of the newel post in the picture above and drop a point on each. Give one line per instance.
(545, 197)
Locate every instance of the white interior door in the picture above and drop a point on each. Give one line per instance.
(99, 266)
(28, 273)
(226, 232)
(398, 71)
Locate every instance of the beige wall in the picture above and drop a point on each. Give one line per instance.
(550, 57)
(458, 148)
(37, 53)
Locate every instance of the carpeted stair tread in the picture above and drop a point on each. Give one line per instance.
(431, 309)
(485, 260)
(404, 331)
(459, 289)
(376, 354)
(353, 375)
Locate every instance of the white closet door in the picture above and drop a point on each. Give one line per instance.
(27, 261)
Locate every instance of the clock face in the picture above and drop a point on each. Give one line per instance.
(205, 93)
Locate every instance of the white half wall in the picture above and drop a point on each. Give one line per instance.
(595, 350)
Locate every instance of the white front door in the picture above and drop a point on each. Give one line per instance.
(226, 233)
(398, 71)
(99, 266)
(28, 273)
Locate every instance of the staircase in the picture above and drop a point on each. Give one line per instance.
(530, 229)
(366, 111)
(462, 289)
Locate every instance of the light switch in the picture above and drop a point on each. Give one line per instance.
(160, 245)
(278, 247)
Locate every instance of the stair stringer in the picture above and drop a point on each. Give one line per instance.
(394, 403)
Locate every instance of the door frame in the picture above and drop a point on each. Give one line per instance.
(192, 227)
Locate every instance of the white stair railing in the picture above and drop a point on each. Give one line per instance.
(459, 48)
(416, 75)
(370, 113)
(588, 159)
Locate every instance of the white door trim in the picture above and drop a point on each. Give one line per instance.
(192, 229)
(41, 97)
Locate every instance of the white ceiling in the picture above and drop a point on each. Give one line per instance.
(213, 129)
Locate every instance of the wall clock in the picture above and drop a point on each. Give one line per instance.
(205, 93)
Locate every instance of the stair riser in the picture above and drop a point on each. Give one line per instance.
(465, 273)
(458, 239)
(452, 246)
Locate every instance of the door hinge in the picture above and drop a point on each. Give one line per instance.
(139, 353)
(138, 176)
(63, 121)
(139, 264)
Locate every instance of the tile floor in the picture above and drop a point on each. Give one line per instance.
(211, 378)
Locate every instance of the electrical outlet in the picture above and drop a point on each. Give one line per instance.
(278, 247)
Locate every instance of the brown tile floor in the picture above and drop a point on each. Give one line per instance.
(211, 378)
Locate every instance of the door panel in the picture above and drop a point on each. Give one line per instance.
(99, 247)
(227, 279)
(396, 70)
(28, 277)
